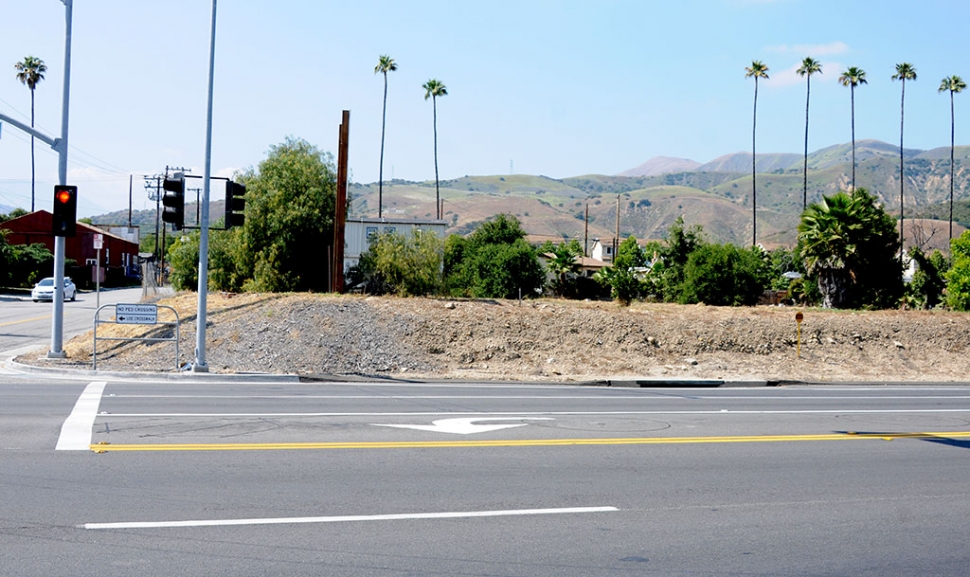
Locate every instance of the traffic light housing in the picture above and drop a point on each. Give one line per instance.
(65, 210)
(174, 201)
(235, 204)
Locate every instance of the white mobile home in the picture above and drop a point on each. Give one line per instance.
(360, 232)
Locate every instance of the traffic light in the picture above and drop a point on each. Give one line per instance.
(65, 210)
(235, 204)
(174, 201)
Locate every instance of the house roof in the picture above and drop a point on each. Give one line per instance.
(39, 222)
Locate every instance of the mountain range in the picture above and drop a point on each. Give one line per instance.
(651, 196)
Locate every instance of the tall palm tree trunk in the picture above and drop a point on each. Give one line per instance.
(437, 193)
(902, 229)
(852, 98)
(808, 95)
(754, 187)
(32, 172)
(380, 176)
(952, 134)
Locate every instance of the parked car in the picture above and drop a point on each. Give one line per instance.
(44, 290)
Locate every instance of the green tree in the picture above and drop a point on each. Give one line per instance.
(809, 66)
(15, 213)
(925, 291)
(958, 277)
(495, 261)
(852, 77)
(24, 264)
(408, 265)
(433, 89)
(183, 257)
(563, 264)
(680, 243)
(953, 85)
(757, 70)
(385, 64)
(904, 71)
(849, 244)
(724, 275)
(6, 258)
(288, 232)
(622, 278)
(30, 71)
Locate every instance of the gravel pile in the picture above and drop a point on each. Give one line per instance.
(542, 340)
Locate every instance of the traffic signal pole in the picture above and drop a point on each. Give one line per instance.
(60, 145)
(200, 365)
(60, 242)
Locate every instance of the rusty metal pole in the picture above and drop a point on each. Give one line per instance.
(340, 214)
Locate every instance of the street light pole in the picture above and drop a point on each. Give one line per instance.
(60, 242)
(200, 365)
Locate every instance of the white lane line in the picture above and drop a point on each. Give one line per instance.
(535, 413)
(604, 397)
(344, 519)
(76, 430)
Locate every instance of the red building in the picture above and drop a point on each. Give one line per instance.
(119, 256)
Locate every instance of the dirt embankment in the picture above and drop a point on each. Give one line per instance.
(543, 340)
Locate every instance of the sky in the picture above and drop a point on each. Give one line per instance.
(543, 87)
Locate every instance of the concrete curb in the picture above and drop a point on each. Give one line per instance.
(630, 382)
(183, 376)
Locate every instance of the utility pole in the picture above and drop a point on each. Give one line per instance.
(616, 237)
(130, 179)
(153, 185)
(586, 233)
(340, 220)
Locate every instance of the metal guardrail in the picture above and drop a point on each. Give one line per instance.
(139, 314)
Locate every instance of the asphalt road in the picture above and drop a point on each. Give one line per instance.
(24, 323)
(368, 479)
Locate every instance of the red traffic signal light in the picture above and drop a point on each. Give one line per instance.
(63, 195)
(64, 222)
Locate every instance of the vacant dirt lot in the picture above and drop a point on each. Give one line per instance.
(541, 340)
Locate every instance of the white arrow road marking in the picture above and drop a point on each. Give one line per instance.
(468, 426)
(76, 430)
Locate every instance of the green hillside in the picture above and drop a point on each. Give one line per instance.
(720, 201)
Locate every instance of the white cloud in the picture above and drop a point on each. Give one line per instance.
(790, 77)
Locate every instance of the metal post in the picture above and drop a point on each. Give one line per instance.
(200, 365)
(57, 320)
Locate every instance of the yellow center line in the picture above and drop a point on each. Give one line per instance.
(100, 448)
(8, 323)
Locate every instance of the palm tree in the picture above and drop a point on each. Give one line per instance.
(384, 65)
(953, 84)
(853, 77)
(809, 66)
(757, 70)
(433, 89)
(825, 233)
(904, 71)
(31, 71)
(849, 244)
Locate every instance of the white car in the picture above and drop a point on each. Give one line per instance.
(44, 290)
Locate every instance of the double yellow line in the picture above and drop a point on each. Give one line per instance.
(943, 435)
